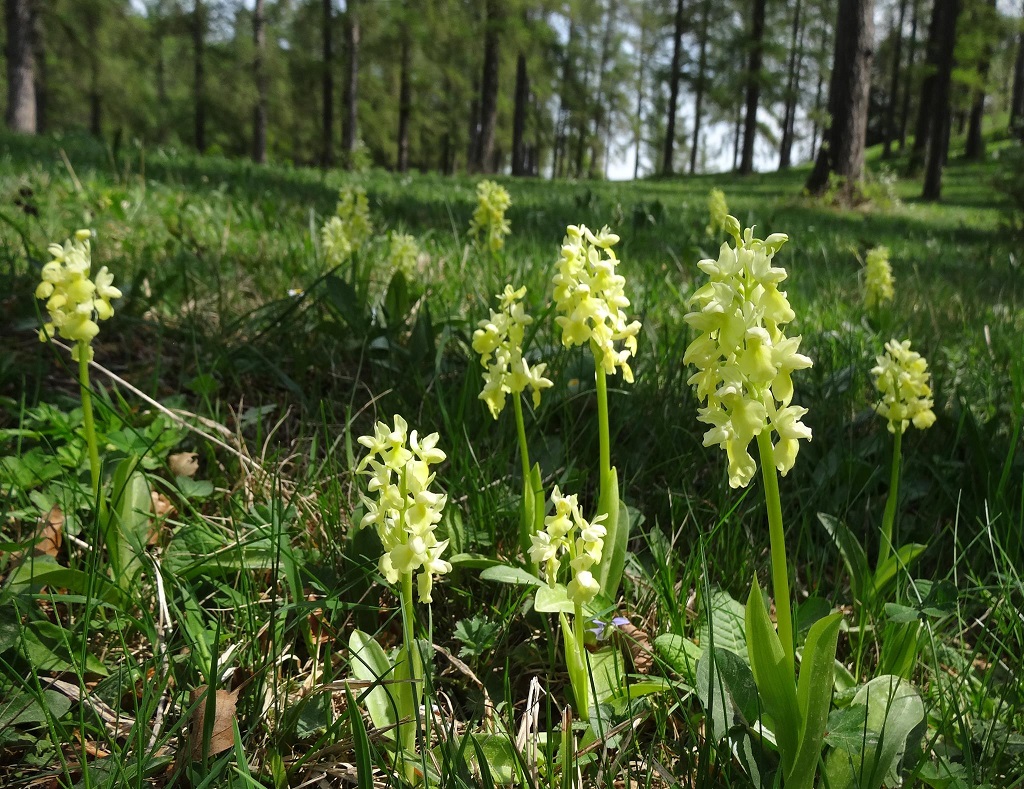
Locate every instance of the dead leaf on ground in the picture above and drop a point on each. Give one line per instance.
(222, 734)
(50, 532)
(183, 464)
(161, 509)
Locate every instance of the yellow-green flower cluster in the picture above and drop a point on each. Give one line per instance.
(878, 281)
(902, 378)
(488, 227)
(499, 341)
(403, 509)
(75, 302)
(566, 531)
(350, 227)
(743, 356)
(590, 296)
(718, 210)
(403, 254)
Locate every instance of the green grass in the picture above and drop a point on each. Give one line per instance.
(264, 560)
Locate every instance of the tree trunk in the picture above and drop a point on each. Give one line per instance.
(926, 108)
(39, 54)
(327, 85)
(792, 92)
(938, 146)
(702, 67)
(484, 152)
(842, 151)
(675, 77)
(95, 96)
(975, 146)
(602, 113)
(21, 66)
(753, 86)
(198, 74)
(736, 137)
(1017, 102)
(522, 103)
(350, 98)
(908, 82)
(823, 49)
(404, 93)
(259, 111)
(889, 131)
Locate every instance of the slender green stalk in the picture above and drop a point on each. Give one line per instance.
(408, 704)
(87, 418)
(777, 537)
(582, 692)
(602, 419)
(524, 452)
(889, 517)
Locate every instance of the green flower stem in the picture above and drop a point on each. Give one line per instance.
(87, 418)
(524, 452)
(582, 689)
(602, 418)
(776, 533)
(889, 517)
(408, 692)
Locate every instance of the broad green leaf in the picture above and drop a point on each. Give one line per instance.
(680, 653)
(40, 571)
(775, 680)
(25, 708)
(607, 671)
(50, 648)
(725, 687)
(609, 569)
(722, 623)
(814, 697)
(854, 558)
(623, 695)
(847, 728)
(472, 561)
(900, 560)
(553, 600)
(342, 297)
(899, 648)
(370, 664)
(496, 755)
(128, 529)
(504, 574)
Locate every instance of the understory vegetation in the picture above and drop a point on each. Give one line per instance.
(188, 595)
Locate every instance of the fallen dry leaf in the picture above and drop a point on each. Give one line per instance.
(222, 734)
(161, 509)
(183, 464)
(50, 532)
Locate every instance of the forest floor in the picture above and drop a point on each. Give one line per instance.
(241, 365)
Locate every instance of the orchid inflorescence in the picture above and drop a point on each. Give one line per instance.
(349, 228)
(404, 511)
(489, 225)
(499, 341)
(567, 532)
(878, 280)
(403, 254)
(590, 296)
(902, 379)
(75, 301)
(743, 355)
(718, 210)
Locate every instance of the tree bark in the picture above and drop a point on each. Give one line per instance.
(350, 98)
(889, 131)
(404, 92)
(1017, 101)
(259, 110)
(792, 92)
(484, 149)
(327, 85)
(198, 74)
(702, 67)
(602, 113)
(675, 76)
(522, 103)
(908, 82)
(842, 150)
(753, 86)
(21, 66)
(93, 20)
(39, 54)
(926, 108)
(938, 146)
(975, 145)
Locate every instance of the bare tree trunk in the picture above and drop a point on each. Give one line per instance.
(404, 93)
(889, 131)
(484, 153)
(327, 84)
(95, 96)
(792, 92)
(753, 86)
(702, 66)
(675, 77)
(522, 103)
(926, 125)
(39, 54)
(938, 146)
(350, 99)
(1017, 102)
(602, 113)
(198, 74)
(842, 151)
(21, 66)
(823, 48)
(736, 137)
(908, 83)
(259, 110)
(975, 146)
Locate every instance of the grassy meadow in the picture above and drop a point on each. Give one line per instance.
(238, 340)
